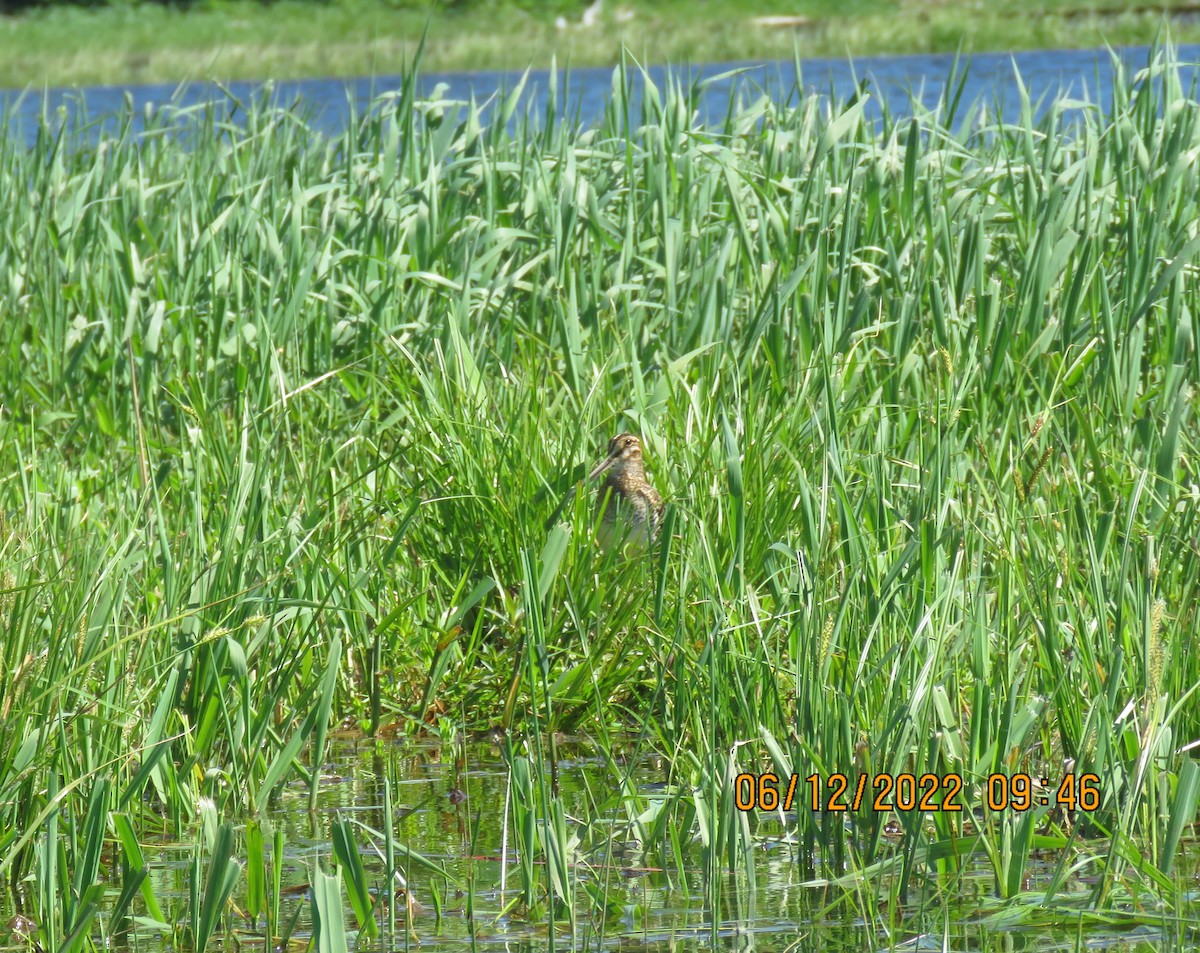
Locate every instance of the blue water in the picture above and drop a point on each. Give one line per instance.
(894, 82)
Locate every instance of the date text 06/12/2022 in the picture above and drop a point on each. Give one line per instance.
(911, 792)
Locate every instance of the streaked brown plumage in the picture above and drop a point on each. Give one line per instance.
(633, 510)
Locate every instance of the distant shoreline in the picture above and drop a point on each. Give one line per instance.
(294, 39)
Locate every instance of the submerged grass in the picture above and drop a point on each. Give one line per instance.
(285, 419)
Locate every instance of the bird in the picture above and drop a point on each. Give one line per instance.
(629, 508)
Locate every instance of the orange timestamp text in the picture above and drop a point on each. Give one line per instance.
(926, 793)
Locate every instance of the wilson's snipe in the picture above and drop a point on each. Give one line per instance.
(633, 510)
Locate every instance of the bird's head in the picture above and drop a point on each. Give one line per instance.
(624, 449)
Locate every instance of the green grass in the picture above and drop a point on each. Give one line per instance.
(285, 421)
(289, 39)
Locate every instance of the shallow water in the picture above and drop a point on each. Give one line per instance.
(1083, 75)
(639, 898)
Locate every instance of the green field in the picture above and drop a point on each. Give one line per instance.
(286, 422)
(143, 43)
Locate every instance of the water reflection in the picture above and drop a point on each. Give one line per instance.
(629, 895)
(1085, 75)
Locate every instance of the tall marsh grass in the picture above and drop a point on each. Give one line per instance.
(285, 420)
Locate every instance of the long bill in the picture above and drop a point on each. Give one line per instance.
(602, 466)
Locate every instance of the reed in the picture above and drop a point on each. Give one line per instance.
(284, 419)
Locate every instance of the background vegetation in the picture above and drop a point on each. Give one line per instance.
(150, 42)
(286, 422)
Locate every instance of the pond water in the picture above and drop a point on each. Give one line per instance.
(1084, 75)
(449, 805)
